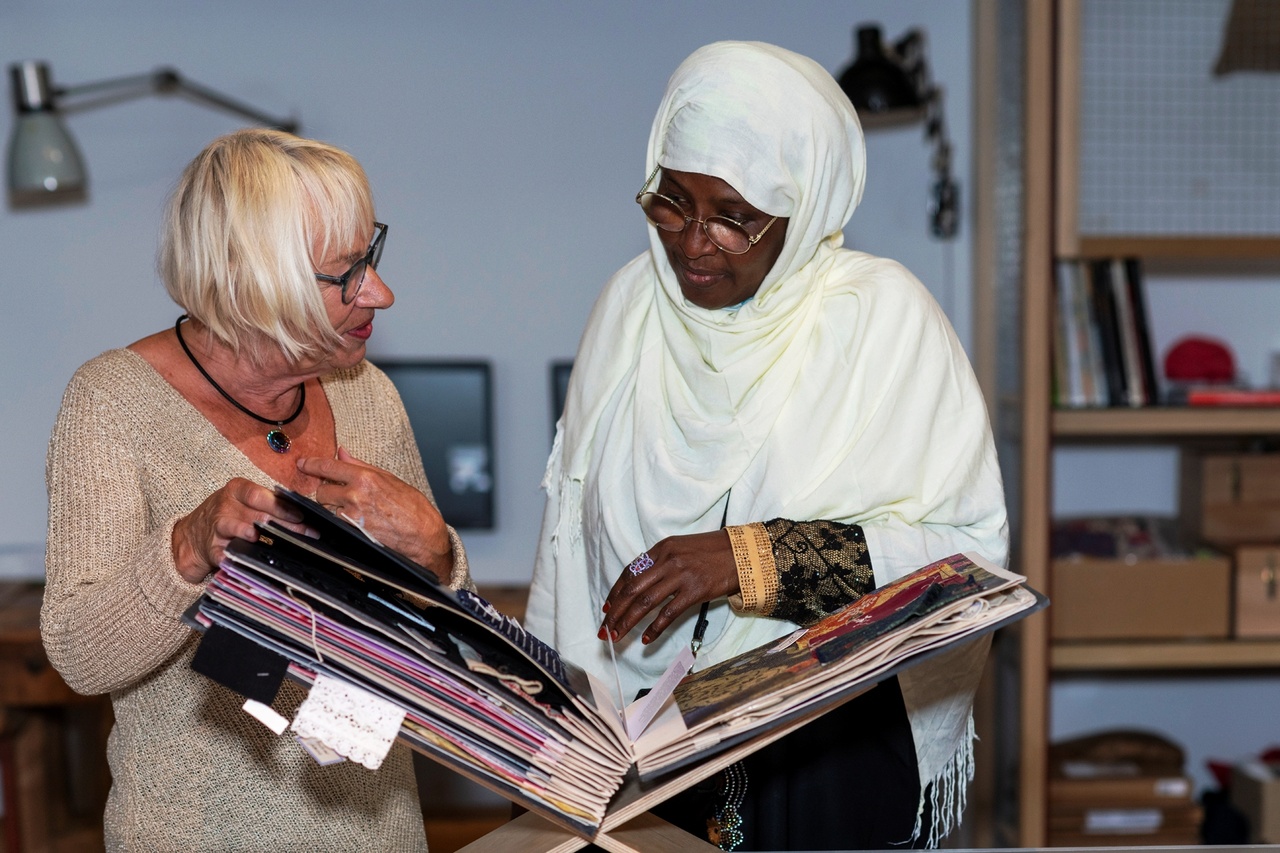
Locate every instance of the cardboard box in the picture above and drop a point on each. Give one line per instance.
(1120, 791)
(1257, 591)
(1128, 820)
(1233, 499)
(1125, 841)
(1255, 790)
(1100, 599)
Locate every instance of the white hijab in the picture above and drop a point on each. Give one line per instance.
(838, 392)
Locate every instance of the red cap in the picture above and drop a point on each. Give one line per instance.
(1197, 359)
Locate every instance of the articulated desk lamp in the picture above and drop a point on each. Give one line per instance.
(889, 86)
(44, 164)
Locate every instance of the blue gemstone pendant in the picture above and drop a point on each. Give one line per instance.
(278, 441)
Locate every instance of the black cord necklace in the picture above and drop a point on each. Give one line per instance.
(276, 438)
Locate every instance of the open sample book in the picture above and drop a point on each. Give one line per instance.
(472, 689)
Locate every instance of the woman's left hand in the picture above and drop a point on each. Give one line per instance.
(686, 571)
(389, 509)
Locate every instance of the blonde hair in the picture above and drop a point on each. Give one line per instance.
(242, 224)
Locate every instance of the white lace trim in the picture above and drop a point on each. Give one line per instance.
(352, 722)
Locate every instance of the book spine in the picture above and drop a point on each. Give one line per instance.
(1072, 388)
(1084, 337)
(1131, 346)
(1142, 328)
(1108, 332)
(1232, 397)
(1095, 373)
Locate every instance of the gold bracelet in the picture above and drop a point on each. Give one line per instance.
(757, 571)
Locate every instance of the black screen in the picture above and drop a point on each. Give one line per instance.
(450, 409)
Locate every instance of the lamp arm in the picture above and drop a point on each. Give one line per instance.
(141, 82)
(167, 80)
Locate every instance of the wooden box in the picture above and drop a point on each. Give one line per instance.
(1255, 790)
(1102, 599)
(1066, 794)
(1233, 499)
(1257, 591)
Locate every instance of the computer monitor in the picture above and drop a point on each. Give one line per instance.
(451, 410)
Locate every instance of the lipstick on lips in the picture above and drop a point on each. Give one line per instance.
(362, 332)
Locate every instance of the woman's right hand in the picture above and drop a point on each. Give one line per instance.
(684, 572)
(201, 538)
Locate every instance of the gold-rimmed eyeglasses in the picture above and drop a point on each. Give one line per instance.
(666, 214)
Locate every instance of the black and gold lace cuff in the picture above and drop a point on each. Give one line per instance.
(821, 565)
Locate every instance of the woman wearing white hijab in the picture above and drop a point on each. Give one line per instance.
(760, 419)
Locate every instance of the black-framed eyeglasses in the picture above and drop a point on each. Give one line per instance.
(353, 279)
(666, 214)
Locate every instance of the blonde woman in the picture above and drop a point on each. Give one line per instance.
(167, 449)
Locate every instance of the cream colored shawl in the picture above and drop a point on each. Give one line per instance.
(838, 392)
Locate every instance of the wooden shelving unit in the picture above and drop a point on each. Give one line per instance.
(1217, 655)
(1159, 423)
(1181, 248)
(1050, 197)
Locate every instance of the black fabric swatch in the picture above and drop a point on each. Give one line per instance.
(238, 663)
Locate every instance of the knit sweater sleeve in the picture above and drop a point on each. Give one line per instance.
(111, 583)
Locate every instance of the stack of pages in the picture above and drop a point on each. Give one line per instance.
(482, 695)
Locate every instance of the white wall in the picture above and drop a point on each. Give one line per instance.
(504, 140)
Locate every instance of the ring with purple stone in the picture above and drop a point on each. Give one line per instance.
(640, 564)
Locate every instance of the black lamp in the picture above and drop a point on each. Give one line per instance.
(889, 86)
(45, 165)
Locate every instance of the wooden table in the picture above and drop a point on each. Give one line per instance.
(52, 740)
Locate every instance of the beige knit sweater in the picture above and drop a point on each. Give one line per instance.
(190, 769)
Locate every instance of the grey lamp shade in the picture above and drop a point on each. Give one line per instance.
(42, 156)
(43, 159)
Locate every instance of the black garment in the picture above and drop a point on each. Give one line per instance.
(822, 566)
(847, 781)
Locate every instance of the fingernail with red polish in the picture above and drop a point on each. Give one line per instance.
(606, 607)
(601, 634)
(614, 634)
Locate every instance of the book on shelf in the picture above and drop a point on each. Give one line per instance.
(1085, 373)
(1142, 330)
(1064, 392)
(1134, 349)
(1110, 315)
(1211, 395)
(482, 695)
(1076, 383)
(1102, 348)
